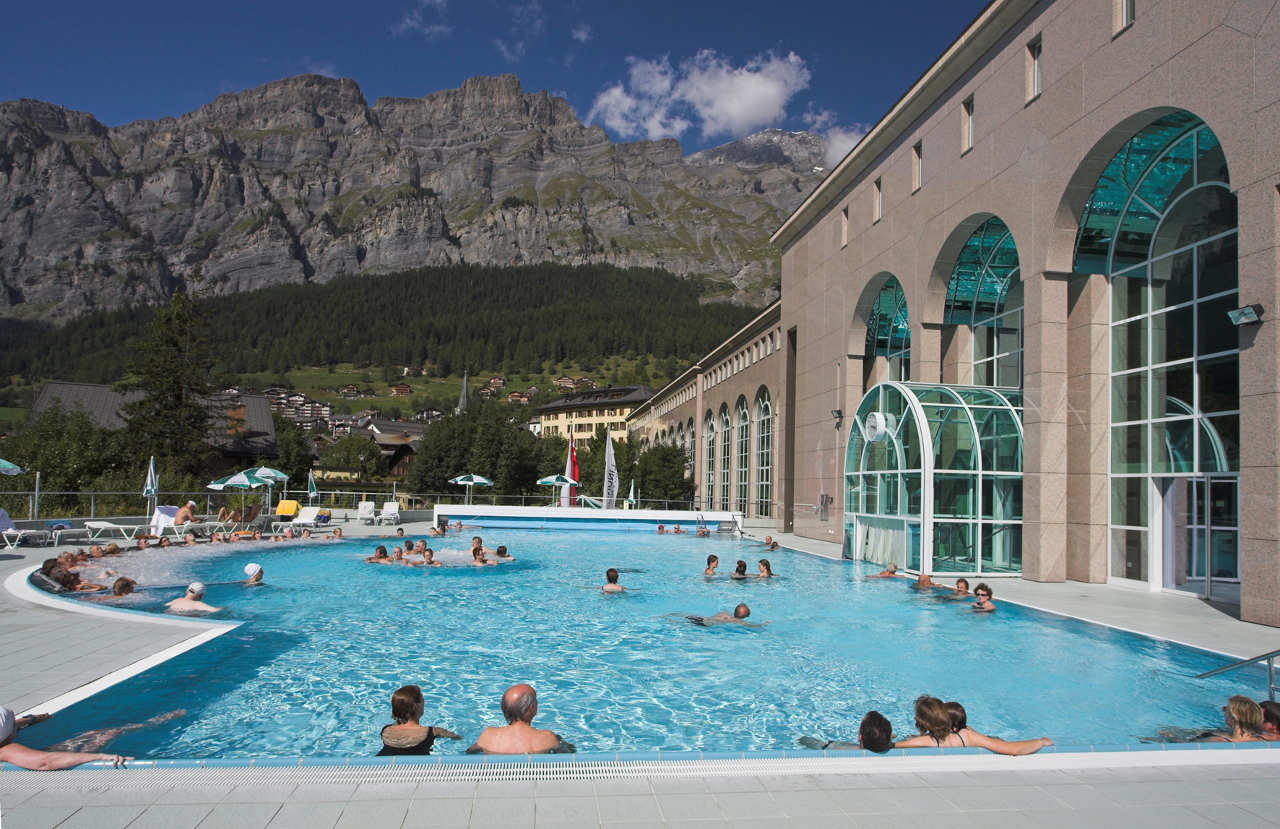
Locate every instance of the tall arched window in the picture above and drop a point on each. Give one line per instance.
(1161, 224)
(889, 330)
(690, 452)
(744, 456)
(726, 456)
(764, 455)
(985, 293)
(709, 480)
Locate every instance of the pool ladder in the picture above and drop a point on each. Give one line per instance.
(1270, 657)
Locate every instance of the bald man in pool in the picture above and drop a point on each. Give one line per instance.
(518, 736)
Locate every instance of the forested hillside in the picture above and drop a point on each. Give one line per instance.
(450, 317)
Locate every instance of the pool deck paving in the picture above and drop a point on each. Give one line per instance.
(49, 656)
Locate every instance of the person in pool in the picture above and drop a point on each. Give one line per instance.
(502, 555)
(739, 571)
(477, 543)
(1270, 720)
(923, 582)
(969, 737)
(429, 558)
(1244, 719)
(37, 760)
(983, 595)
(518, 736)
(611, 581)
(874, 734)
(379, 556)
(675, 530)
(254, 574)
(407, 735)
(713, 561)
(960, 591)
(765, 569)
(738, 617)
(191, 602)
(123, 586)
(703, 532)
(478, 559)
(662, 530)
(890, 571)
(768, 539)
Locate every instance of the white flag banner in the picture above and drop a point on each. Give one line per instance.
(610, 475)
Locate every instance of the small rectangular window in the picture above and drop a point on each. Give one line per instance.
(876, 201)
(966, 125)
(917, 166)
(1126, 12)
(844, 227)
(1034, 82)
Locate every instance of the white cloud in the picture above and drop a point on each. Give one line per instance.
(840, 138)
(510, 52)
(581, 32)
(320, 67)
(425, 17)
(661, 101)
(528, 22)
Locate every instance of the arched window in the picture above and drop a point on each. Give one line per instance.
(889, 330)
(709, 444)
(985, 293)
(1161, 224)
(764, 455)
(744, 456)
(726, 456)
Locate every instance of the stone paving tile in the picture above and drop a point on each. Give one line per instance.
(873, 801)
(126, 796)
(444, 789)
(37, 817)
(196, 794)
(554, 809)
(384, 791)
(240, 816)
(438, 812)
(330, 792)
(367, 813)
(678, 785)
(59, 797)
(173, 816)
(609, 788)
(689, 806)
(505, 788)
(748, 805)
(1002, 799)
(627, 808)
(305, 816)
(788, 782)
(500, 810)
(1081, 796)
(564, 788)
(806, 804)
(103, 817)
(744, 783)
(249, 793)
(1228, 814)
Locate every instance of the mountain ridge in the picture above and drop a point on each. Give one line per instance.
(301, 179)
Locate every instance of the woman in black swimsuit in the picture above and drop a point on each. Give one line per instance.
(406, 735)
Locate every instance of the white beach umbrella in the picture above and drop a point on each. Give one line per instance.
(556, 480)
(469, 480)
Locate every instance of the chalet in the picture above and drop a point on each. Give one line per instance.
(401, 390)
(350, 391)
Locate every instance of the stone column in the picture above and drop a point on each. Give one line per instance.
(926, 352)
(957, 354)
(1259, 409)
(1088, 420)
(1044, 420)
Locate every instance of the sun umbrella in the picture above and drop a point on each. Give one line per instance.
(271, 476)
(556, 480)
(151, 487)
(469, 480)
(240, 481)
(312, 492)
(7, 468)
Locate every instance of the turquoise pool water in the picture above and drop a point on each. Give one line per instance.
(328, 639)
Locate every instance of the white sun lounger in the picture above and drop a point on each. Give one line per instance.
(390, 513)
(12, 536)
(306, 519)
(367, 511)
(99, 529)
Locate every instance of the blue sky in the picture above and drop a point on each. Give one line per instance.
(704, 73)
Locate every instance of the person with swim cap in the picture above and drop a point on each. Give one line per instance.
(191, 602)
(254, 573)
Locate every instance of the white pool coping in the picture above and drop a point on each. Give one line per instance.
(18, 585)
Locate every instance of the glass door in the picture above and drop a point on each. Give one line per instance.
(1200, 530)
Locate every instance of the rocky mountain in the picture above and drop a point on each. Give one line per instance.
(301, 179)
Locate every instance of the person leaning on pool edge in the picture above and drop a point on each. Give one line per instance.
(518, 736)
(406, 735)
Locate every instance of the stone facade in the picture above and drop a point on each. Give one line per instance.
(975, 138)
(740, 375)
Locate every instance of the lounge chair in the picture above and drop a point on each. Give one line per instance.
(99, 529)
(390, 513)
(12, 536)
(367, 511)
(162, 522)
(308, 518)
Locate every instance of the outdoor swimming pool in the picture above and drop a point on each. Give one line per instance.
(328, 639)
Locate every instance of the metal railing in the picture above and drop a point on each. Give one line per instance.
(1269, 656)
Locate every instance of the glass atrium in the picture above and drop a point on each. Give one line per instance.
(933, 478)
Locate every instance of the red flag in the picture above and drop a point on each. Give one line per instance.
(573, 465)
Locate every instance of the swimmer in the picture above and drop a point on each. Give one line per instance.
(191, 601)
(712, 562)
(611, 581)
(890, 571)
(502, 555)
(960, 591)
(983, 595)
(738, 617)
(478, 559)
(478, 544)
(379, 556)
(337, 533)
(306, 534)
(675, 530)
(703, 532)
(254, 574)
(662, 530)
(257, 535)
(189, 539)
(765, 568)
(399, 532)
(773, 545)
(123, 586)
(419, 546)
(429, 559)
(740, 571)
(923, 582)
(164, 541)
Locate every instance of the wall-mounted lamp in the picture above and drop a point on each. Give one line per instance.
(1247, 315)
(838, 414)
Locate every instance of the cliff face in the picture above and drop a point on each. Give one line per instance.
(301, 179)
